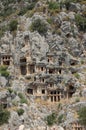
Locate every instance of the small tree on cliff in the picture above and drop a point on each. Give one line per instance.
(82, 116)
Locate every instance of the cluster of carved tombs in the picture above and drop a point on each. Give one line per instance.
(46, 78)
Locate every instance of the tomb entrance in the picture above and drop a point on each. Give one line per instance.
(23, 66)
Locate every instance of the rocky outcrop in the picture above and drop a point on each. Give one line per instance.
(47, 73)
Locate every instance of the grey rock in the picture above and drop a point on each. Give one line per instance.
(75, 7)
(3, 81)
(4, 94)
(71, 16)
(84, 92)
(65, 26)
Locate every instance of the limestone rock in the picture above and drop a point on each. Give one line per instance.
(65, 26)
(75, 7)
(3, 81)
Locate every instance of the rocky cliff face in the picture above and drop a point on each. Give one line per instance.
(42, 62)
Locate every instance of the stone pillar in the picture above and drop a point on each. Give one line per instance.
(67, 95)
(56, 98)
(37, 70)
(47, 71)
(58, 72)
(27, 69)
(60, 95)
(1, 61)
(73, 126)
(17, 70)
(11, 61)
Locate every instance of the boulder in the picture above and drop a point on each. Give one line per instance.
(55, 127)
(21, 127)
(75, 7)
(3, 81)
(66, 27)
(84, 92)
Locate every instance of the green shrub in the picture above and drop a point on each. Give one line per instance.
(30, 13)
(60, 118)
(7, 11)
(82, 116)
(4, 72)
(25, 9)
(54, 5)
(82, 62)
(68, 3)
(4, 116)
(59, 106)
(22, 98)
(40, 26)
(31, 6)
(3, 29)
(77, 100)
(15, 103)
(20, 111)
(77, 75)
(13, 25)
(19, 1)
(22, 11)
(81, 22)
(51, 119)
(20, 95)
(10, 90)
(49, 20)
(3, 68)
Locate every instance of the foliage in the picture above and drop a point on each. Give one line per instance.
(7, 11)
(7, 2)
(22, 11)
(82, 116)
(68, 3)
(77, 100)
(50, 20)
(59, 106)
(4, 72)
(77, 75)
(15, 103)
(3, 68)
(28, 8)
(20, 95)
(40, 26)
(20, 111)
(30, 13)
(13, 25)
(31, 6)
(60, 118)
(10, 90)
(81, 22)
(51, 119)
(54, 5)
(84, 13)
(23, 99)
(4, 116)
(2, 30)
(82, 62)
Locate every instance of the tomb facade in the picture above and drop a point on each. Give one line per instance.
(6, 59)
